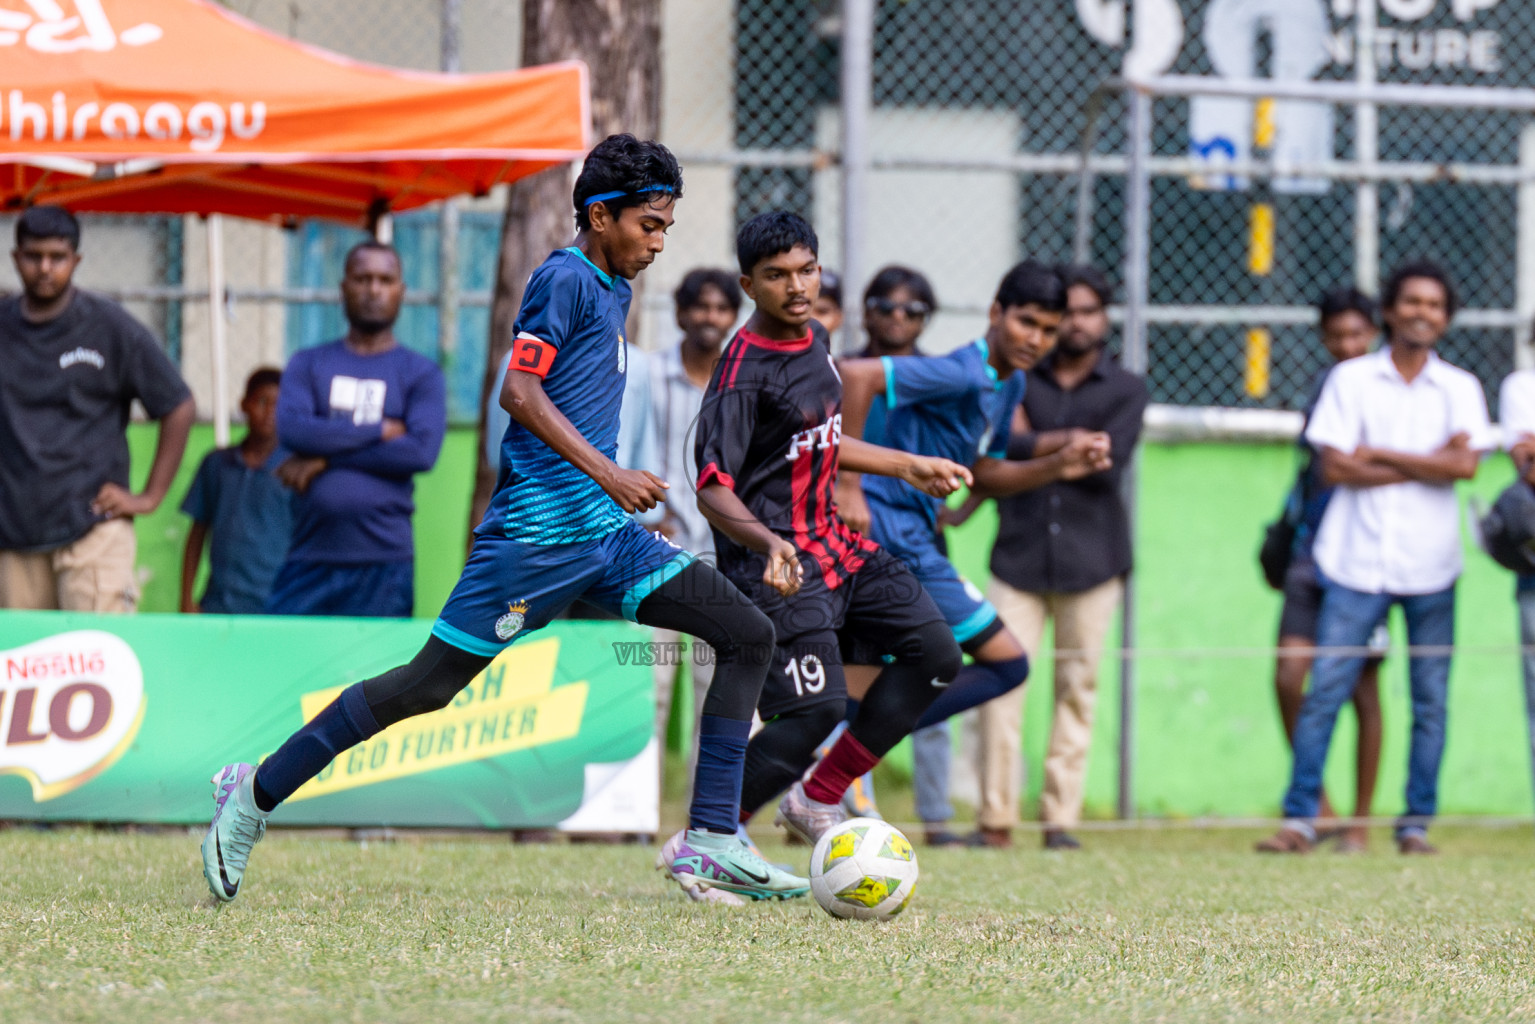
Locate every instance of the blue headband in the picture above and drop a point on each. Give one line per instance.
(645, 190)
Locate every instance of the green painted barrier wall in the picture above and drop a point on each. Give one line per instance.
(442, 515)
(1208, 739)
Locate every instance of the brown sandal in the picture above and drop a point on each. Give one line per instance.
(1286, 840)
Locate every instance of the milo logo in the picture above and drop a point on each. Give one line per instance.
(70, 705)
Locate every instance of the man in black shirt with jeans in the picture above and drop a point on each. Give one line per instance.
(1062, 552)
(74, 363)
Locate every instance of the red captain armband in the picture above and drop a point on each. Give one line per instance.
(531, 355)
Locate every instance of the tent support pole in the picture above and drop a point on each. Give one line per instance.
(857, 86)
(218, 329)
(448, 216)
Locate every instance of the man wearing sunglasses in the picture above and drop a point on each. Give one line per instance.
(896, 307)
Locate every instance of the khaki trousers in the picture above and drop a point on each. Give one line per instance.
(94, 574)
(1082, 623)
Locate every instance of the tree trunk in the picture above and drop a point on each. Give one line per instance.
(620, 40)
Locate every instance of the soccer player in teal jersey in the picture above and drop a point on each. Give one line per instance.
(960, 406)
(558, 528)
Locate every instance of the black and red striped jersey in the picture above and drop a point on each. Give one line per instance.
(770, 430)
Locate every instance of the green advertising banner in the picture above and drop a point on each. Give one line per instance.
(106, 718)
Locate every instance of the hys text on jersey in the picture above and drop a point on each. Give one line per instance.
(826, 435)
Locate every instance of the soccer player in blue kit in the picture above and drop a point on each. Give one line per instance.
(960, 406)
(558, 528)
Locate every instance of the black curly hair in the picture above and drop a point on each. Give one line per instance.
(888, 279)
(1345, 299)
(625, 171)
(1420, 268)
(691, 291)
(768, 234)
(1032, 282)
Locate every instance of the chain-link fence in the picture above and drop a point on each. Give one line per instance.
(996, 130)
(985, 114)
(1333, 193)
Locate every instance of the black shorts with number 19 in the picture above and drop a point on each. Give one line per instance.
(821, 629)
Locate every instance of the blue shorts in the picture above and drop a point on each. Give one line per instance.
(911, 539)
(509, 589)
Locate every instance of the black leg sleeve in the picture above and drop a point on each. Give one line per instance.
(431, 680)
(701, 602)
(927, 658)
(781, 752)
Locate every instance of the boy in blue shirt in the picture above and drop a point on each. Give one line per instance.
(960, 406)
(237, 497)
(559, 528)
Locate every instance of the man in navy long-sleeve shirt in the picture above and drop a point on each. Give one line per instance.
(363, 416)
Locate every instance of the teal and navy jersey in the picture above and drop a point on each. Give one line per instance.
(952, 406)
(580, 311)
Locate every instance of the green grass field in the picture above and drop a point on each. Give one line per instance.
(1177, 926)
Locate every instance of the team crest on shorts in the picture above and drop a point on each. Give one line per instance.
(508, 624)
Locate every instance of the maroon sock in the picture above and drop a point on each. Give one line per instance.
(846, 760)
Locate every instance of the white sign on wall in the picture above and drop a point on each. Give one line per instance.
(1306, 37)
(1221, 127)
(70, 705)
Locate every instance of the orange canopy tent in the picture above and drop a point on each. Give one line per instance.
(179, 106)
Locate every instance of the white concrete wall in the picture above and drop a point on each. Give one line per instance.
(957, 227)
(697, 117)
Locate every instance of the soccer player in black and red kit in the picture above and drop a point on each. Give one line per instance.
(769, 445)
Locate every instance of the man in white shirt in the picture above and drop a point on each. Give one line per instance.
(1395, 429)
(1516, 409)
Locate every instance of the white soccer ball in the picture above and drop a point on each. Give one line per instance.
(865, 869)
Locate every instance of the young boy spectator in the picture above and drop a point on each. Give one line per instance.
(1347, 320)
(237, 497)
(827, 307)
(1396, 429)
(74, 364)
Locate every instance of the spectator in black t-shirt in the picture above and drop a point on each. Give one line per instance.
(74, 363)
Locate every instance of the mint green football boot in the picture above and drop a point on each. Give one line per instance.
(238, 825)
(713, 860)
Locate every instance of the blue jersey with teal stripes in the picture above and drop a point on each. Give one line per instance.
(951, 406)
(579, 310)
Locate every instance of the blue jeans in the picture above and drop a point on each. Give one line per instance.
(1527, 638)
(1348, 617)
(930, 755)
